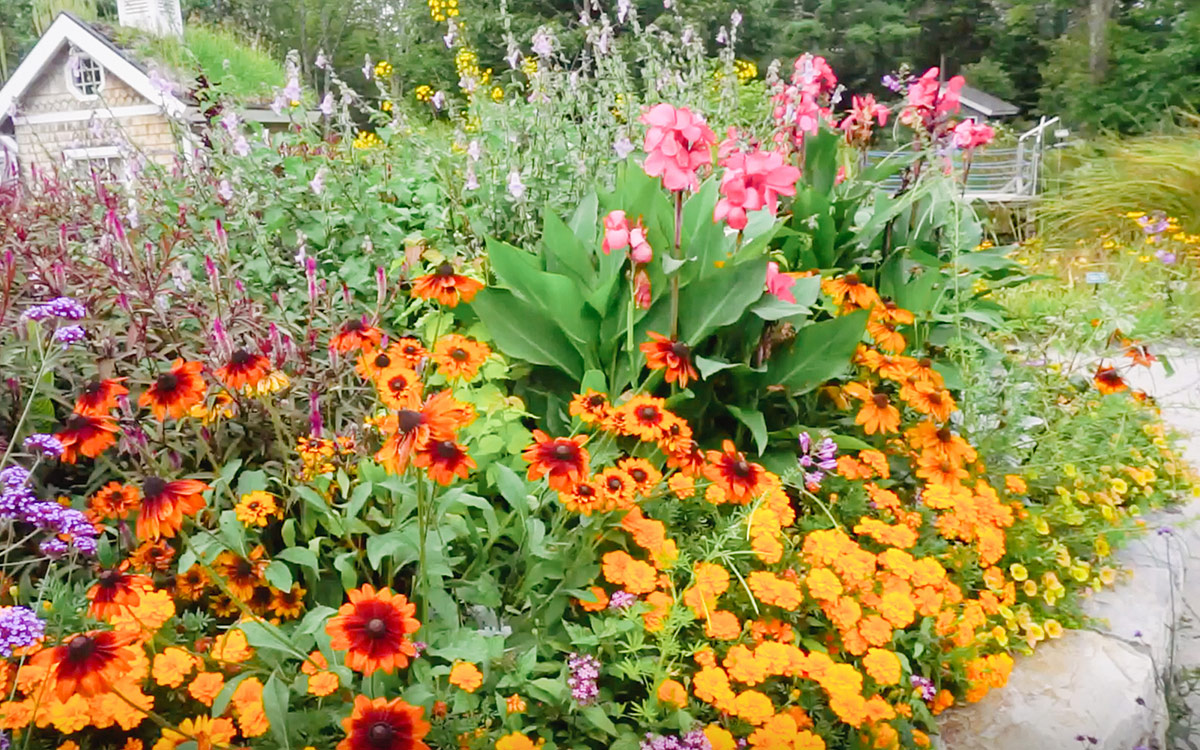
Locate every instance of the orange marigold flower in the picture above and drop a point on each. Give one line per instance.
(783, 731)
(231, 647)
(171, 666)
(672, 693)
(823, 585)
(515, 704)
(776, 591)
(412, 429)
(600, 603)
(86, 435)
(243, 369)
(753, 707)
(722, 626)
(675, 357)
(447, 287)
(381, 724)
(883, 666)
(711, 685)
(206, 686)
(459, 358)
(584, 498)
(660, 605)
(323, 683)
(87, 664)
(682, 486)
(466, 676)
(1108, 380)
(563, 461)
(355, 334)
(591, 407)
(1015, 484)
(636, 576)
(99, 397)
(719, 737)
(176, 391)
(114, 590)
(443, 461)
(113, 501)
(741, 480)
(373, 628)
(164, 505)
(511, 741)
(877, 413)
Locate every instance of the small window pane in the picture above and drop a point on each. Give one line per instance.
(86, 75)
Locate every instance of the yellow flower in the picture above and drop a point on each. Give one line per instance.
(1080, 572)
(171, 666)
(1041, 526)
(515, 704)
(1030, 588)
(386, 106)
(1018, 572)
(423, 93)
(256, 508)
(1000, 635)
(1102, 547)
(1054, 628)
(1108, 576)
(1119, 486)
(383, 69)
(366, 140)
(497, 94)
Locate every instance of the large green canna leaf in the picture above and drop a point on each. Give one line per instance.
(820, 352)
(523, 331)
(719, 300)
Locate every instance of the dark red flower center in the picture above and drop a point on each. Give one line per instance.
(647, 413)
(168, 381)
(241, 358)
(851, 279)
(458, 354)
(410, 349)
(380, 734)
(614, 483)
(680, 349)
(881, 400)
(639, 475)
(80, 648)
(944, 434)
(446, 450)
(596, 401)
(243, 569)
(564, 451)
(382, 360)
(376, 627)
(925, 362)
(109, 579)
(585, 490)
(741, 467)
(77, 422)
(353, 325)
(153, 487)
(410, 420)
(398, 383)
(445, 269)
(92, 388)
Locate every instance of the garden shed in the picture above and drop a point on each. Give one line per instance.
(86, 97)
(983, 106)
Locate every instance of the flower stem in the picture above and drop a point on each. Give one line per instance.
(675, 254)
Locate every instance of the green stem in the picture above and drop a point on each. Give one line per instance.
(675, 254)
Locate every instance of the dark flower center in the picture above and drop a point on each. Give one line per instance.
(153, 486)
(944, 434)
(380, 734)
(80, 648)
(410, 420)
(410, 349)
(647, 413)
(596, 401)
(459, 354)
(109, 579)
(639, 475)
(376, 627)
(851, 279)
(353, 325)
(925, 362)
(168, 381)
(382, 360)
(585, 490)
(446, 450)
(564, 451)
(445, 270)
(243, 568)
(881, 400)
(741, 468)
(92, 388)
(241, 358)
(680, 349)
(615, 484)
(398, 383)
(77, 422)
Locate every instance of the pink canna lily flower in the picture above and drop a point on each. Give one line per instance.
(780, 284)
(616, 232)
(677, 144)
(639, 250)
(753, 181)
(969, 134)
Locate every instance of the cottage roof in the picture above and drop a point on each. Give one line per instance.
(985, 103)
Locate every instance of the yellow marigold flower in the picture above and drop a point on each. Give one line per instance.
(256, 508)
(753, 707)
(466, 676)
(883, 666)
(515, 741)
(171, 666)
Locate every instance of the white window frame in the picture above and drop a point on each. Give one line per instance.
(74, 86)
(86, 157)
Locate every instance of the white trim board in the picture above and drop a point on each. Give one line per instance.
(66, 29)
(84, 115)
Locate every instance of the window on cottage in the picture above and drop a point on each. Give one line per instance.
(105, 162)
(87, 77)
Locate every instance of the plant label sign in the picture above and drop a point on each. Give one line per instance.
(1096, 277)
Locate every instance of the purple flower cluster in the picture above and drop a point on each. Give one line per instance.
(19, 627)
(1155, 223)
(47, 445)
(693, 740)
(59, 307)
(68, 335)
(585, 670)
(925, 685)
(621, 600)
(816, 460)
(18, 502)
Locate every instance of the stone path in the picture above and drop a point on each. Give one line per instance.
(1124, 685)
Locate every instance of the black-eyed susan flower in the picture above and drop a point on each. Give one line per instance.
(175, 392)
(373, 628)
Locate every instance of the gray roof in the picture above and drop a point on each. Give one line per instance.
(986, 104)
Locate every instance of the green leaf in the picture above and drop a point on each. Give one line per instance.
(719, 300)
(597, 717)
(300, 556)
(566, 248)
(805, 291)
(232, 532)
(221, 702)
(275, 705)
(522, 331)
(753, 419)
(279, 575)
(358, 498)
(512, 487)
(821, 351)
(709, 367)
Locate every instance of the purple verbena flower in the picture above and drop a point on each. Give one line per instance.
(621, 600)
(53, 548)
(14, 477)
(68, 335)
(585, 670)
(47, 445)
(925, 685)
(19, 627)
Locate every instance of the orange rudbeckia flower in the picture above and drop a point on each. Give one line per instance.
(373, 629)
(86, 435)
(176, 391)
(243, 369)
(413, 429)
(164, 504)
(86, 664)
(741, 480)
(447, 287)
(113, 501)
(399, 387)
(1108, 380)
(459, 357)
(673, 356)
(850, 292)
(114, 590)
(356, 334)
(99, 397)
(877, 413)
(929, 399)
(381, 724)
(444, 460)
(563, 461)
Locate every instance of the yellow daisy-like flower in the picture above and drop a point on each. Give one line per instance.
(256, 508)
(1054, 628)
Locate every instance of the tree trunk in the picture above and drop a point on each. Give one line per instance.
(1098, 13)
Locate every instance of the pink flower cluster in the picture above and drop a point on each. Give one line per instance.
(804, 102)
(930, 103)
(618, 235)
(864, 113)
(678, 142)
(969, 134)
(752, 181)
